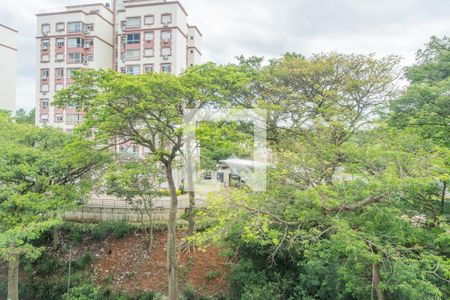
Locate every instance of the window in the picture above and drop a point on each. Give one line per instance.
(75, 57)
(59, 57)
(166, 19)
(134, 22)
(59, 43)
(133, 70)
(45, 45)
(133, 38)
(70, 72)
(166, 51)
(75, 42)
(44, 118)
(89, 27)
(59, 27)
(88, 43)
(74, 118)
(44, 103)
(132, 54)
(59, 86)
(148, 68)
(59, 73)
(149, 36)
(149, 52)
(166, 68)
(75, 27)
(166, 36)
(44, 74)
(90, 57)
(44, 88)
(45, 58)
(45, 28)
(59, 118)
(149, 20)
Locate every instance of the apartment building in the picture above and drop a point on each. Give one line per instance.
(8, 68)
(154, 35)
(129, 36)
(68, 39)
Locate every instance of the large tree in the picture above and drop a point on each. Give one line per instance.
(42, 172)
(149, 111)
(350, 207)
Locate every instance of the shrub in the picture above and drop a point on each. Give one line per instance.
(117, 229)
(84, 291)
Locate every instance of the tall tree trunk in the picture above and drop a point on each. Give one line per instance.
(13, 278)
(190, 185)
(172, 265)
(444, 189)
(376, 279)
(191, 213)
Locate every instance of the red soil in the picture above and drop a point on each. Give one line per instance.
(128, 265)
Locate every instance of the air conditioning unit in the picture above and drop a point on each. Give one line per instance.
(165, 24)
(87, 46)
(165, 40)
(85, 61)
(59, 77)
(44, 93)
(123, 69)
(45, 33)
(86, 31)
(44, 77)
(165, 57)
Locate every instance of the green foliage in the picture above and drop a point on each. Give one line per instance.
(116, 229)
(42, 172)
(24, 117)
(85, 291)
(425, 104)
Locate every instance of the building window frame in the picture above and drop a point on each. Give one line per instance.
(164, 65)
(133, 66)
(133, 40)
(152, 33)
(60, 42)
(149, 49)
(150, 66)
(136, 25)
(166, 18)
(152, 19)
(75, 30)
(45, 28)
(60, 27)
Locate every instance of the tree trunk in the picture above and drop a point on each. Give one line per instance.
(13, 278)
(444, 189)
(172, 264)
(376, 279)
(190, 185)
(191, 213)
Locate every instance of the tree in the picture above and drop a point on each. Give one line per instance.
(425, 104)
(24, 117)
(148, 111)
(350, 207)
(138, 181)
(42, 172)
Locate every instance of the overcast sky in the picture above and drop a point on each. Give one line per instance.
(268, 28)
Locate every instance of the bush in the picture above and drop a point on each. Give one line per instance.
(83, 292)
(117, 229)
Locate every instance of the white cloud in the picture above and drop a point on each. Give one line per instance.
(269, 28)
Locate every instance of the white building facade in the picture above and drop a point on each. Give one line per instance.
(129, 36)
(8, 53)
